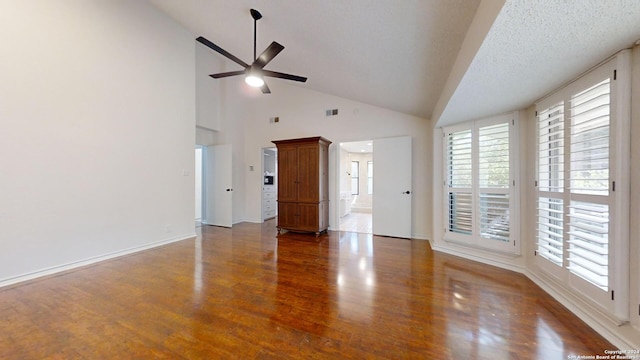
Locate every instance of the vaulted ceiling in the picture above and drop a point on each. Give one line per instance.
(453, 60)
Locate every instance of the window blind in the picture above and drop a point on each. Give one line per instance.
(459, 159)
(494, 181)
(550, 209)
(494, 216)
(589, 243)
(551, 148)
(590, 140)
(493, 150)
(550, 229)
(460, 181)
(589, 177)
(460, 213)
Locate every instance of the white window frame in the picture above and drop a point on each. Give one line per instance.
(355, 175)
(614, 301)
(511, 247)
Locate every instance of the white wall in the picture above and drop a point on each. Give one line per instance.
(302, 114)
(97, 111)
(345, 169)
(208, 90)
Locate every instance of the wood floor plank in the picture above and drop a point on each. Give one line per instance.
(250, 293)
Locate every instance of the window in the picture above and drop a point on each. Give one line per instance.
(480, 183)
(494, 179)
(550, 204)
(577, 169)
(589, 176)
(370, 177)
(355, 177)
(459, 158)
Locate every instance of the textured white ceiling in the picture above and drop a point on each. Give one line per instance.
(388, 53)
(534, 47)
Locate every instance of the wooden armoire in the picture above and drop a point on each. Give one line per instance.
(303, 184)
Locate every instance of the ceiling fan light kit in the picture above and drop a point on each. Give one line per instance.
(254, 73)
(254, 80)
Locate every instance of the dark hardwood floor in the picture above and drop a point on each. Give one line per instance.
(247, 293)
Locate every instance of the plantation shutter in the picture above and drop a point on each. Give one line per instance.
(550, 204)
(494, 181)
(583, 216)
(460, 182)
(589, 184)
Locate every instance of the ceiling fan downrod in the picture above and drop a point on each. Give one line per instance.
(255, 14)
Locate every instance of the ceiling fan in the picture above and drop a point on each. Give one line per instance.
(254, 73)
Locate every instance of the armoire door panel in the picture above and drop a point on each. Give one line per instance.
(308, 178)
(287, 214)
(287, 173)
(308, 217)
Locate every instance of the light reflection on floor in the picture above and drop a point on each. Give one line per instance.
(356, 276)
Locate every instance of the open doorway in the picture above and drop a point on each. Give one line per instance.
(269, 183)
(198, 179)
(356, 187)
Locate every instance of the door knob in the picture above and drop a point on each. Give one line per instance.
(229, 189)
(406, 192)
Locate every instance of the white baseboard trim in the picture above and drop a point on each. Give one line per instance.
(623, 336)
(76, 264)
(420, 237)
(478, 257)
(254, 221)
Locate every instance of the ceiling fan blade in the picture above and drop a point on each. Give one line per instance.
(280, 75)
(222, 51)
(268, 54)
(265, 89)
(227, 74)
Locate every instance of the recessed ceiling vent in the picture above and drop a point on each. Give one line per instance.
(332, 112)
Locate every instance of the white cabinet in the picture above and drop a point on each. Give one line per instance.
(269, 201)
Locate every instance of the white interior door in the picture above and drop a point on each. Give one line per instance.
(392, 191)
(218, 186)
(198, 182)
